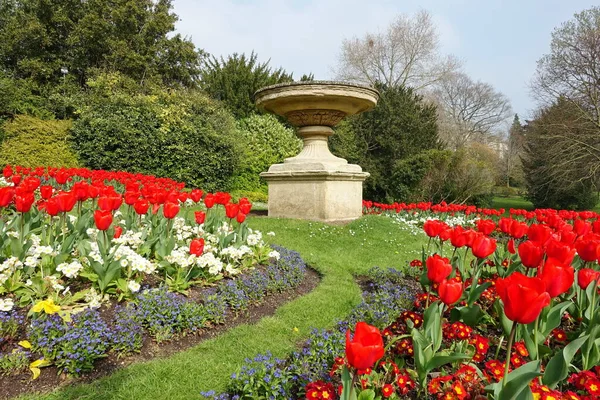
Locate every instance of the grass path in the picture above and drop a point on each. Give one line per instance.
(337, 252)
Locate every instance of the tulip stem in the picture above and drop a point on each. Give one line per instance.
(593, 305)
(509, 345)
(535, 338)
(499, 346)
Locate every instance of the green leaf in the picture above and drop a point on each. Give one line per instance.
(558, 367)
(440, 360)
(504, 321)
(475, 293)
(368, 394)
(554, 317)
(517, 384)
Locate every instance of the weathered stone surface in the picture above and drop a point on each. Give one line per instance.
(316, 185)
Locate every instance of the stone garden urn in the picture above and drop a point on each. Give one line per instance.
(315, 184)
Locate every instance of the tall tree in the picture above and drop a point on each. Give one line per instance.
(513, 168)
(469, 110)
(557, 158)
(401, 125)
(235, 80)
(42, 40)
(406, 54)
(572, 69)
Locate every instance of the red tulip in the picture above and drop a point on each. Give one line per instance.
(450, 291)
(23, 202)
(588, 249)
(458, 238)
(16, 179)
(110, 202)
(585, 276)
(222, 198)
(523, 297)
(241, 217)
(170, 210)
(197, 247)
(365, 348)
(518, 229)
(596, 226)
(510, 246)
(581, 227)
(7, 172)
(141, 206)
(483, 246)
(504, 224)
(557, 277)
(200, 217)
(539, 233)
(51, 207)
(438, 268)
(66, 201)
(245, 205)
(209, 200)
(433, 227)
(485, 226)
(560, 251)
(7, 194)
(118, 232)
(103, 219)
(231, 210)
(46, 191)
(196, 195)
(131, 197)
(531, 254)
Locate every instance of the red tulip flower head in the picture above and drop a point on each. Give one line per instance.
(245, 205)
(365, 348)
(23, 202)
(103, 219)
(7, 194)
(523, 297)
(485, 226)
(557, 277)
(241, 217)
(209, 200)
(141, 206)
(200, 217)
(531, 254)
(433, 227)
(585, 276)
(588, 248)
(66, 201)
(196, 195)
(560, 251)
(118, 232)
(231, 210)
(170, 210)
(450, 291)
(483, 246)
(197, 247)
(438, 268)
(458, 238)
(46, 191)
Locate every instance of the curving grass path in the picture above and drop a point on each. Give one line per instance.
(337, 252)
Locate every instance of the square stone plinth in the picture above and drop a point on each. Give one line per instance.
(324, 196)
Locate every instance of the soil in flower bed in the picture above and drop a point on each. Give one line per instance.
(17, 384)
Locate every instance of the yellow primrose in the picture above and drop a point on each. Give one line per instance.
(36, 365)
(47, 306)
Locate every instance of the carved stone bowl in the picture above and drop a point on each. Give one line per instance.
(313, 103)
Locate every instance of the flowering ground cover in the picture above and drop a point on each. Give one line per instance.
(511, 312)
(338, 253)
(95, 264)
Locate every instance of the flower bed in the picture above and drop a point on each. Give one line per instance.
(509, 310)
(76, 243)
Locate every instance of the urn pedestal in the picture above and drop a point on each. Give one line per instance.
(315, 184)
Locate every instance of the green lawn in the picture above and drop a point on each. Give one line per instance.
(520, 202)
(337, 252)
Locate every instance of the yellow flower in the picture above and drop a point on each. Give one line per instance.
(25, 344)
(47, 306)
(36, 365)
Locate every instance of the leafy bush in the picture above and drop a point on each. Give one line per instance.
(180, 134)
(266, 141)
(400, 126)
(465, 175)
(30, 142)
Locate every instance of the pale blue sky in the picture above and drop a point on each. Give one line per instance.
(499, 41)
